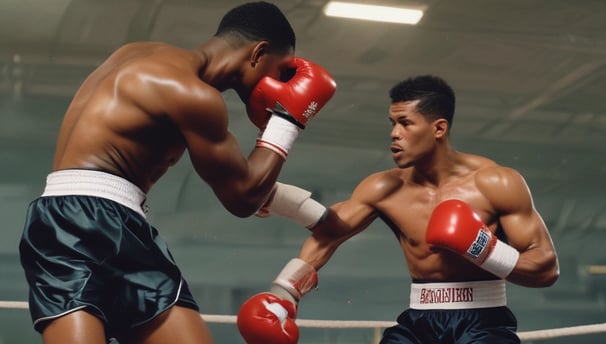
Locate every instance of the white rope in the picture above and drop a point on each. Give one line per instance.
(14, 304)
(526, 335)
(344, 323)
(563, 332)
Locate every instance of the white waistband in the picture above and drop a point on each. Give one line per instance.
(458, 295)
(97, 184)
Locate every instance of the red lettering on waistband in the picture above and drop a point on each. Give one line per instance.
(445, 295)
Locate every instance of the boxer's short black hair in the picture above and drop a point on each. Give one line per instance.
(436, 97)
(259, 21)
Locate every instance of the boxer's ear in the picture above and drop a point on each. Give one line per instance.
(440, 127)
(259, 51)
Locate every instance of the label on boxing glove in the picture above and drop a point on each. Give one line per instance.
(478, 246)
(311, 110)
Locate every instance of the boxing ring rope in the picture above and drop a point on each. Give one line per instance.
(377, 326)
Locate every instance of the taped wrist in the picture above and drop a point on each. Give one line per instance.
(295, 203)
(279, 135)
(297, 278)
(501, 260)
(283, 294)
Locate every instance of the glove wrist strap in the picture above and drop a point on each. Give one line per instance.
(297, 278)
(283, 294)
(501, 260)
(279, 110)
(279, 135)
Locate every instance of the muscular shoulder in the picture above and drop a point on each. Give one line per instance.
(169, 71)
(163, 80)
(504, 187)
(497, 177)
(378, 186)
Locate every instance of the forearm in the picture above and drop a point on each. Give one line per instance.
(244, 193)
(300, 275)
(327, 236)
(317, 252)
(536, 268)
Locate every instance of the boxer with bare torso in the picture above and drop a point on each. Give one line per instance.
(465, 225)
(96, 268)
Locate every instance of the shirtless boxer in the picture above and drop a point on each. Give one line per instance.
(96, 268)
(465, 225)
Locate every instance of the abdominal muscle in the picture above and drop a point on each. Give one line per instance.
(440, 265)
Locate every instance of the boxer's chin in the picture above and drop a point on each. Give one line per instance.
(402, 163)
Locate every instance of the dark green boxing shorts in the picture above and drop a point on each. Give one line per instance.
(87, 246)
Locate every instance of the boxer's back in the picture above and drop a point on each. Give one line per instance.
(115, 123)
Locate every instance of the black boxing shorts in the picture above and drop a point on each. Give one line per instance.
(460, 312)
(87, 246)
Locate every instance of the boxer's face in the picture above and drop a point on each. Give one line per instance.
(412, 136)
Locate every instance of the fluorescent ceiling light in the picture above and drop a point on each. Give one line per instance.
(596, 269)
(371, 12)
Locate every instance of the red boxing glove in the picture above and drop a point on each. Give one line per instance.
(455, 226)
(267, 319)
(289, 105)
(297, 100)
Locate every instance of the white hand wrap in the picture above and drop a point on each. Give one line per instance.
(296, 204)
(279, 135)
(501, 260)
(297, 277)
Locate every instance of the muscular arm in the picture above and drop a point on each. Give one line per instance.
(198, 110)
(344, 220)
(341, 223)
(241, 184)
(538, 264)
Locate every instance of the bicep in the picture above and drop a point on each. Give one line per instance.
(217, 161)
(344, 220)
(348, 218)
(201, 116)
(241, 183)
(352, 216)
(537, 265)
(519, 219)
(526, 230)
